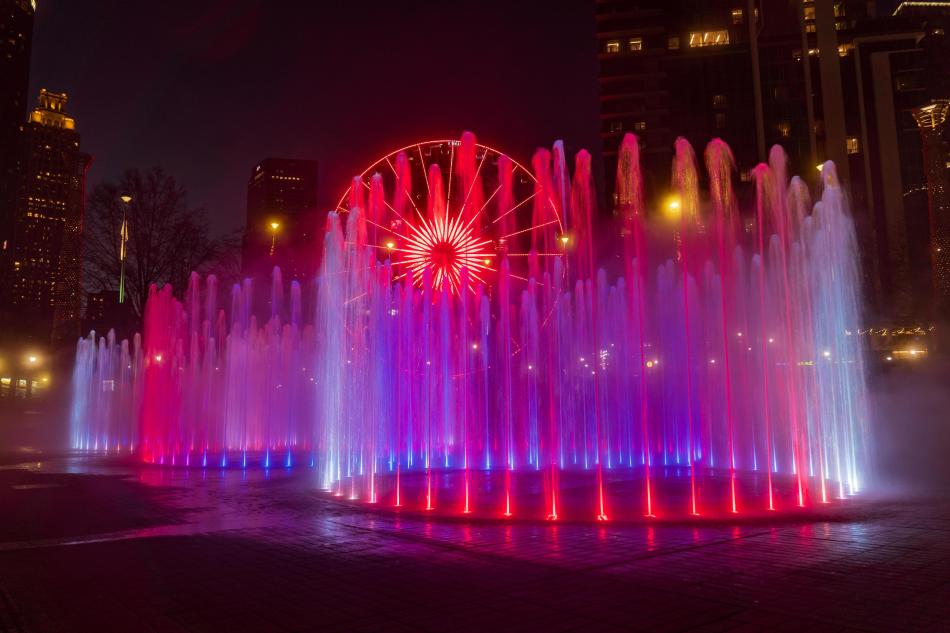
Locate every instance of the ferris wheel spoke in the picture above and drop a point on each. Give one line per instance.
(404, 190)
(448, 195)
(386, 202)
(484, 206)
(514, 208)
(530, 228)
(468, 194)
(425, 174)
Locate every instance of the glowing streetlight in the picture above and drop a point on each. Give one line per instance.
(672, 206)
(123, 238)
(273, 240)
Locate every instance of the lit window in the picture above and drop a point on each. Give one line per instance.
(839, 10)
(841, 26)
(635, 43)
(845, 49)
(737, 16)
(809, 12)
(852, 144)
(810, 27)
(640, 126)
(699, 39)
(719, 101)
(673, 43)
(784, 129)
(720, 120)
(613, 46)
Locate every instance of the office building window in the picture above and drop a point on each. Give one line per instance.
(635, 43)
(737, 16)
(852, 145)
(640, 126)
(699, 39)
(613, 46)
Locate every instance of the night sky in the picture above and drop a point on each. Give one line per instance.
(206, 89)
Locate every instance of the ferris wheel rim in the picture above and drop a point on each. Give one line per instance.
(341, 205)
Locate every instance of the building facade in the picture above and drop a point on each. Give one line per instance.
(282, 225)
(702, 69)
(46, 249)
(16, 35)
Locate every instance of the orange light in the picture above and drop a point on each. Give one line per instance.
(672, 206)
(275, 225)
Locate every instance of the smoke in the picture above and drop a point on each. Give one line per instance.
(910, 426)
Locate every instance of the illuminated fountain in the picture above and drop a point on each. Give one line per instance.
(466, 355)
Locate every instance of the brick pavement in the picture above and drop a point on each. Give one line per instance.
(92, 547)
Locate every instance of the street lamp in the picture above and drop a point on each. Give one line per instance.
(123, 238)
(673, 206)
(273, 240)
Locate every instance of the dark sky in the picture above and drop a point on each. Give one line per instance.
(206, 89)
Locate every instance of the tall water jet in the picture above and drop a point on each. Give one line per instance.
(464, 353)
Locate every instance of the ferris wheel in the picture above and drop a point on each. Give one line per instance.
(448, 205)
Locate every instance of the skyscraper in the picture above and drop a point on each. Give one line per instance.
(825, 79)
(46, 246)
(282, 220)
(16, 34)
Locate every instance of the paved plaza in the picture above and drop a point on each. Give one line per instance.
(90, 545)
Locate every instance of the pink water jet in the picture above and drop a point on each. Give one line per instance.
(462, 353)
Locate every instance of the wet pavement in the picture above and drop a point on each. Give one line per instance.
(87, 545)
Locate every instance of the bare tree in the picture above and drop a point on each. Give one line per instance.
(167, 239)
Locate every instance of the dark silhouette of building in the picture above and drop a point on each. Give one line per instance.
(702, 69)
(103, 312)
(16, 35)
(46, 247)
(282, 219)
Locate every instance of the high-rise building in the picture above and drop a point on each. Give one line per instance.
(46, 247)
(702, 69)
(282, 220)
(16, 34)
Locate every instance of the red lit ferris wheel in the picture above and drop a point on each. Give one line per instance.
(447, 205)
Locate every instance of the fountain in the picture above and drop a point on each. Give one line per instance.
(464, 354)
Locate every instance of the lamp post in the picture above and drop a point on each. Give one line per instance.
(273, 240)
(123, 238)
